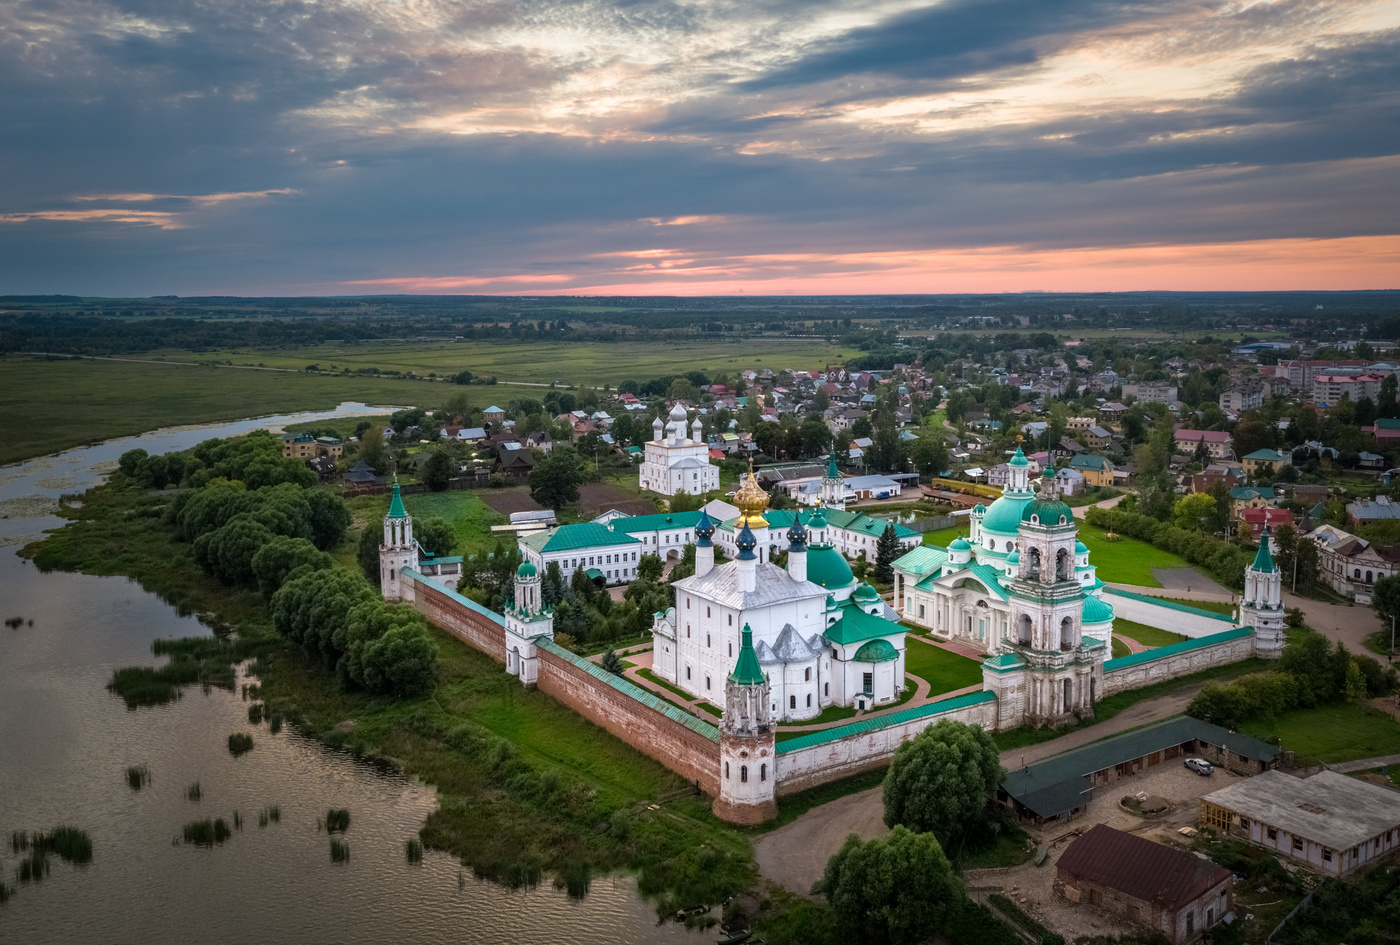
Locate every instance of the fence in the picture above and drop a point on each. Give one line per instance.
(937, 523)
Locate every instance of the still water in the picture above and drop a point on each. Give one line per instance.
(65, 744)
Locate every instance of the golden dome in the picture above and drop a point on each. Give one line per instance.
(752, 501)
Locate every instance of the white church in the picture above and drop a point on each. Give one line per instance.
(673, 463)
(821, 637)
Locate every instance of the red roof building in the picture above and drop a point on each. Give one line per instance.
(1258, 519)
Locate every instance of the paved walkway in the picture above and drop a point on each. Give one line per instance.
(795, 854)
(1083, 510)
(1365, 763)
(1132, 645)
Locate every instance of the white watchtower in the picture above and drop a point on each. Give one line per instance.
(1262, 604)
(747, 778)
(527, 622)
(399, 550)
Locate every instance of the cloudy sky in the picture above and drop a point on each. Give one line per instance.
(706, 147)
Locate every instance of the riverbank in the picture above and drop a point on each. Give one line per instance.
(527, 791)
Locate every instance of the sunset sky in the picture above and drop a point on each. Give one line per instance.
(708, 147)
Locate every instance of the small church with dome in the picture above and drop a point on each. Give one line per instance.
(821, 637)
(674, 463)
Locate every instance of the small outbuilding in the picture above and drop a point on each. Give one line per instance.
(1328, 822)
(1169, 891)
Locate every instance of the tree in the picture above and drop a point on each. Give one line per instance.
(1306, 564)
(929, 454)
(886, 550)
(1385, 600)
(312, 609)
(897, 889)
(367, 553)
(386, 649)
(372, 450)
(555, 479)
(942, 779)
(1195, 512)
(328, 518)
(612, 662)
(436, 535)
(1252, 434)
(281, 556)
(227, 552)
(130, 460)
(438, 470)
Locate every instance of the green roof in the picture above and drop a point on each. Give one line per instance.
(1388, 423)
(526, 569)
(631, 689)
(1264, 560)
(1004, 515)
(747, 672)
(866, 726)
(1097, 611)
(1048, 510)
(1249, 492)
(1004, 661)
(594, 574)
(396, 509)
(1019, 459)
(827, 568)
(921, 560)
(1090, 461)
(959, 544)
(990, 576)
(831, 471)
(1171, 605)
(658, 522)
(1267, 454)
(1186, 646)
(865, 592)
(855, 625)
(578, 537)
(876, 651)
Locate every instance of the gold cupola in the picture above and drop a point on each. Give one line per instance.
(752, 501)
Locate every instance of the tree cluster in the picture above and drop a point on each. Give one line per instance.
(1223, 559)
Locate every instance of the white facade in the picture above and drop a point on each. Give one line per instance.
(673, 463)
(399, 550)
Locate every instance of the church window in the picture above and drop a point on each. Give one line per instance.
(744, 773)
(826, 690)
(792, 702)
(809, 700)
(707, 682)
(726, 770)
(707, 612)
(731, 648)
(808, 676)
(763, 772)
(687, 672)
(687, 631)
(921, 611)
(707, 640)
(731, 620)
(687, 603)
(868, 679)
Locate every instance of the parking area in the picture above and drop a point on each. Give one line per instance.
(1035, 884)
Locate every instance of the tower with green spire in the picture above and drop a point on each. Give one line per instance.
(747, 776)
(399, 550)
(527, 622)
(1261, 605)
(833, 488)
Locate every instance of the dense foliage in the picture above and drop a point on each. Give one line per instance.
(941, 780)
(895, 889)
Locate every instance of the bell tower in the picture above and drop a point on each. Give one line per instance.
(527, 622)
(747, 778)
(399, 550)
(1261, 607)
(833, 489)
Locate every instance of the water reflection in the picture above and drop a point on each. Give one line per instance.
(65, 744)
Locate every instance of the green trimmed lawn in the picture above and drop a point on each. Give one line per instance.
(943, 671)
(1127, 560)
(832, 713)
(944, 536)
(1120, 649)
(1331, 733)
(1147, 636)
(469, 516)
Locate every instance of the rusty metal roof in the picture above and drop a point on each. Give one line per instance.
(1139, 868)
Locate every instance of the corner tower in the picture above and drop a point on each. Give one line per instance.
(833, 490)
(528, 620)
(399, 550)
(747, 778)
(1261, 606)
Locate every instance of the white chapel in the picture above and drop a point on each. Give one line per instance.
(674, 463)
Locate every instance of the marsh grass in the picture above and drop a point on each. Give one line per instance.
(255, 713)
(240, 743)
(274, 722)
(237, 821)
(193, 792)
(34, 867)
(68, 843)
(207, 832)
(340, 851)
(138, 776)
(576, 879)
(337, 820)
(14, 623)
(413, 850)
(5, 893)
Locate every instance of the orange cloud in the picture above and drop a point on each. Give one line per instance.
(202, 200)
(156, 218)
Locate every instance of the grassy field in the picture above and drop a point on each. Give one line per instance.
(1119, 649)
(1126, 561)
(944, 536)
(1147, 636)
(1219, 607)
(942, 670)
(46, 406)
(1331, 733)
(592, 363)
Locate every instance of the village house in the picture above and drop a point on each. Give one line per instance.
(1217, 442)
(1364, 512)
(305, 446)
(1171, 892)
(1096, 470)
(1328, 822)
(1152, 392)
(1265, 460)
(1097, 438)
(1350, 565)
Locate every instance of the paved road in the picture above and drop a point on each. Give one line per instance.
(1083, 510)
(795, 854)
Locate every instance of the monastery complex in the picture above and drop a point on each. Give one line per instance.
(769, 646)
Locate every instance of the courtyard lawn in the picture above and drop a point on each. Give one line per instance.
(1147, 636)
(942, 670)
(1219, 607)
(464, 510)
(1127, 560)
(1120, 649)
(944, 536)
(1331, 733)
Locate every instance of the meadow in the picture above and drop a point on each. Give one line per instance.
(1330, 733)
(543, 362)
(942, 670)
(47, 406)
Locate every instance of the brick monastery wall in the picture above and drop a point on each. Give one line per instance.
(684, 750)
(681, 744)
(1187, 621)
(816, 759)
(1134, 672)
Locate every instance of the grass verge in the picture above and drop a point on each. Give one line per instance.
(943, 670)
(1329, 734)
(1147, 636)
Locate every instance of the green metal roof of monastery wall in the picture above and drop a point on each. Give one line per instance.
(464, 601)
(575, 537)
(1186, 646)
(1170, 605)
(628, 688)
(866, 726)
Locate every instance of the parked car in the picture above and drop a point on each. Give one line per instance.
(1200, 766)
